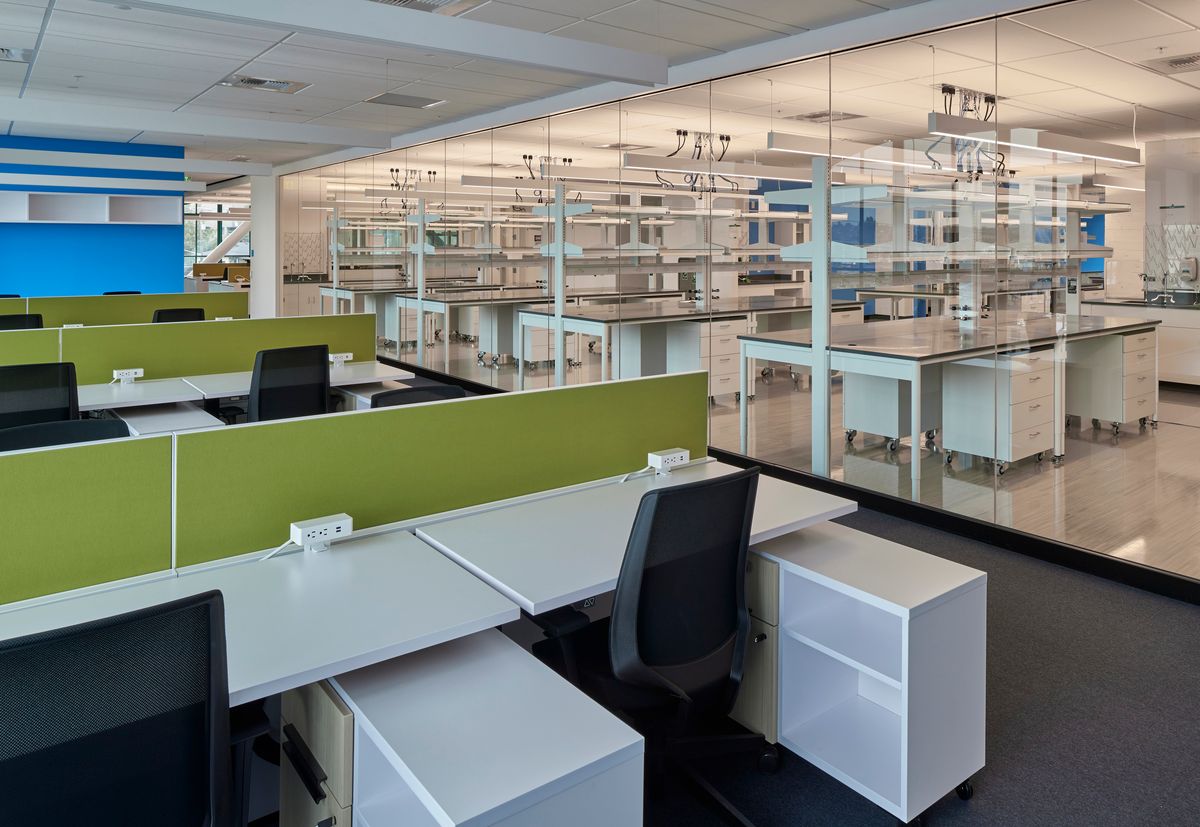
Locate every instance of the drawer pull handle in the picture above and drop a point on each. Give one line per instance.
(1035, 434)
(1035, 378)
(760, 637)
(1035, 407)
(305, 763)
(1141, 378)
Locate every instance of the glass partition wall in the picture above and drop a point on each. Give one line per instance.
(918, 268)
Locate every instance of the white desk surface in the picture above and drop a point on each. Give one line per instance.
(517, 725)
(135, 394)
(363, 393)
(300, 617)
(902, 580)
(219, 385)
(165, 419)
(555, 551)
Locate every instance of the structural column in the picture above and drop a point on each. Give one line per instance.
(264, 251)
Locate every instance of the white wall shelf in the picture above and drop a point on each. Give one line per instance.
(89, 208)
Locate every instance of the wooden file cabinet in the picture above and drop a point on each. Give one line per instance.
(1114, 379)
(326, 726)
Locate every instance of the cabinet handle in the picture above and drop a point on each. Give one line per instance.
(305, 763)
(1035, 434)
(1035, 378)
(1035, 406)
(760, 637)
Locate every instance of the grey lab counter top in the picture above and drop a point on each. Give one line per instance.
(672, 310)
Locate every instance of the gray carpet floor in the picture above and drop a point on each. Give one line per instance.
(1093, 710)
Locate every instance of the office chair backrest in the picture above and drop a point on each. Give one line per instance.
(179, 314)
(289, 382)
(10, 295)
(679, 617)
(411, 396)
(119, 721)
(21, 321)
(122, 292)
(65, 432)
(37, 393)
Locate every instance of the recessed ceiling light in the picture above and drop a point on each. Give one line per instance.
(626, 147)
(406, 101)
(240, 158)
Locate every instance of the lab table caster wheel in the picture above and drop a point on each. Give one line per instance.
(1041, 455)
(1057, 459)
(851, 434)
(769, 760)
(893, 444)
(795, 377)
(965, 790)
(591, 347)
(737, 396)
(437, 335)
(1154, 423)
(1116, 428)
(1001, 467)
(949, 458)
(1095, 424)
(1144, 421)
(930, 434)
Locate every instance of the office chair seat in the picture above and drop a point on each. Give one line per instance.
(68, 431)
(122, 292)
(289, 382)
(21, 321)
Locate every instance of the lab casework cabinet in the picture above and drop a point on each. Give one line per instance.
(302, 299)
(877, 656)
(1114, 379)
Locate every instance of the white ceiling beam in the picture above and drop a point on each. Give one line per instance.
(88, 160)
(20, 179)
(368, 22)
(93, 116)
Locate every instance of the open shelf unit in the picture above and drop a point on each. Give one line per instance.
(89, 208)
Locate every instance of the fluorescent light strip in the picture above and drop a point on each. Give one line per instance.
(729, 169)
(804, 145)
(1113, 182)
(971, 129)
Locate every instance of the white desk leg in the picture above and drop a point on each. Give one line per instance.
(915, 392)
(743, 411)
(604, 353)
(519, 347)
(1060, 399)
(446, 340)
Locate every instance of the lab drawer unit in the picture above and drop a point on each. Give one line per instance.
(999, 407)
(882, 661)
(879, 405)
(1114, 379)
(707, 345)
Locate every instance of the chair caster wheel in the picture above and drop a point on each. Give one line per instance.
(965, 790)
(769, 760)
(893, 444)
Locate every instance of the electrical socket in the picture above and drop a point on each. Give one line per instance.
(663, 461)
(339, 359)
(316, 534)
(127, 375)
(224, 319)
(80, 324)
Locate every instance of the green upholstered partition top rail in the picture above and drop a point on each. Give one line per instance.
(198, 348)
(11, 306)
(391, 464)
(107, 310)
(28, 347)
(80, 515)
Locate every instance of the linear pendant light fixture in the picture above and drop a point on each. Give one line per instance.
(843, 150)
(972, 129)
(729, 169)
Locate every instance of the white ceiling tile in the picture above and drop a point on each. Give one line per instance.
(74, 133)
(1188, 10)
(141, 18)
(136, 35)
(518, 17)
(796, 15)
(1120, 81)
(511, 70)
(1097, 22)
(575, 8)
(674, 50)
(1155, 48)
(252, 100)
(1082, 101)
(663, 20)
(1003, 40)
(375, 50)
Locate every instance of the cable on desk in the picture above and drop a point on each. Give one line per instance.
(271, 554)
(632, 474)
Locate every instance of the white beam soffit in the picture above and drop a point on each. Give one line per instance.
(389, 25)
(87, 160)
(20, 179)
(57, 113)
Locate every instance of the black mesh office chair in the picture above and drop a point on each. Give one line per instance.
(122, 292)
(65, 432)
(670, 657)
(38, 393)
(10, 295)
(289, 382)
(119, 721)
(411, 396)
(21, 321)
(178, 314)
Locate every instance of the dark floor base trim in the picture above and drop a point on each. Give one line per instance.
(449, 379)
(1095, 563)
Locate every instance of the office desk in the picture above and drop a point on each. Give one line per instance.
(555, 551)
(300, 618)
(165, 419)
(221, 385)
(135, 394)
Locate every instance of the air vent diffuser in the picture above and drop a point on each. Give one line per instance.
(283, 87)
(447, 7)
(824, 116)
(1175, 65)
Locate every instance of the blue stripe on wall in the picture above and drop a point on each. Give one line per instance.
(88, 259)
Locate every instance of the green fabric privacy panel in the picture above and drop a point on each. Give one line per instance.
(395, 463)
(198, 348)
(82, 515)
(11, 306)
(104, 310)
(27, 347)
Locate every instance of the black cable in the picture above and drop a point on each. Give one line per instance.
(666, 184)
(736, 186)
(681, 134)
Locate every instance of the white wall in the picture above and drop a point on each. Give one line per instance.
(1126, 234)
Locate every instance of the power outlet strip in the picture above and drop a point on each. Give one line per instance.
(316, 534)
(339, 359)
(663, 461)
(223, 319)
(127, 375)
(79, 324)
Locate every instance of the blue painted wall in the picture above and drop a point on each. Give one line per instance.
(88, 259)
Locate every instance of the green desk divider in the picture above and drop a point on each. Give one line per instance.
(28, 347)
(198, 348)
(9, 307)
(107, 310)
(82, 515)
(238, 488)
